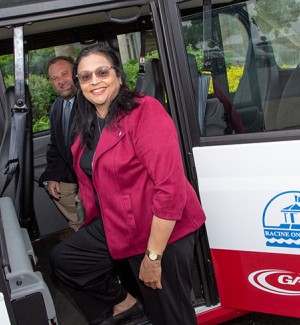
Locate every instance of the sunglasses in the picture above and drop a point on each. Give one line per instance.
(101, 72)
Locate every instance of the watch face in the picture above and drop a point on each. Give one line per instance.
(152, 256)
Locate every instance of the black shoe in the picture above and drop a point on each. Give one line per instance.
(136, 311)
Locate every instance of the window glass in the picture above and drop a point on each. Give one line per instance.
(280, 22)
(7, 69)
(130, 50)
(217, 45)
(250, 52)
(41, 90)
(235, 45)
(11, 3)
(129, 46)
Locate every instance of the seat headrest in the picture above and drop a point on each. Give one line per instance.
(193, 65)
(153, 81)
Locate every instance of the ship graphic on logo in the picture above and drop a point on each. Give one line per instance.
(281, 220)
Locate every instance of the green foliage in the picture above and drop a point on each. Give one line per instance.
(280, 15)
(42, 96)
(151, 55)
(37, 60)
(9, 80)
(7, 64)
(193, 32)
(199, 55)
(131, 69)
(42, 124)
(234, 72)
(234, 75)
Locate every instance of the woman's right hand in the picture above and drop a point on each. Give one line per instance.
(150, 273)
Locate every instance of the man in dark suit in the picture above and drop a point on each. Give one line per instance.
(59, 177)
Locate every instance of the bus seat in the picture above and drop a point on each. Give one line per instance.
(153, 83)
(194, 73)
(5, 140)
(27, 172)
(214, 123)
(257, 86)
(25, 285)
(2, 107)
(214, 118)
(288, 116)
(3, 116)
(2, 120)
(268, 77)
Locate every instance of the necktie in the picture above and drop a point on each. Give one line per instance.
(66, 119)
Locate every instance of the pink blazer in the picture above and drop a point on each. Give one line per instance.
(138, 173)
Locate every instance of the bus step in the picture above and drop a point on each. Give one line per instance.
(143, 320)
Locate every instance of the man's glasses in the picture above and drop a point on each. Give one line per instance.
(101, 72)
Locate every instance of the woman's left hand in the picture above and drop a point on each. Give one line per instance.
(150, 273)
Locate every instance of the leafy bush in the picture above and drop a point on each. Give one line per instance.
(7, 64)
(234, 75)
(234, 72)
(42, 96)
(9, 80)
(199, 55)
(131, 69)
(42, 124)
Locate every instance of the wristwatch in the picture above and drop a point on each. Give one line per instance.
(153, 256)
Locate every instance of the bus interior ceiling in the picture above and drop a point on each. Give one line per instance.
(84, 29)
(45, 31)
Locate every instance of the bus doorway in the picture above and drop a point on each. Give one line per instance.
(38, 33)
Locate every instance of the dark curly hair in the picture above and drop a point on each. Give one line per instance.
(85, 119)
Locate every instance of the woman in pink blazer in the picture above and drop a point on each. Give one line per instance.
(139, 204)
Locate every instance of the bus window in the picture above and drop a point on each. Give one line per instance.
(219, 42)
(7, 69)
(280, 40)
(283, 31)
(235, 40)
(41, 90)
(130, 46)
(252, 58)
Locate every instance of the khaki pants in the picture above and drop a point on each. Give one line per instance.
(70, 205)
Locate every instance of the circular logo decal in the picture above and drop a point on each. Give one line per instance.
(280, 282)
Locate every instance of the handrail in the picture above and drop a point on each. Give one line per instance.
(124, 20)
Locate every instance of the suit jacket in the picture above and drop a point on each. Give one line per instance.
(138, 173)
(59, 158)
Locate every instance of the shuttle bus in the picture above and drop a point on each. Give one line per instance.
(227, 72)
